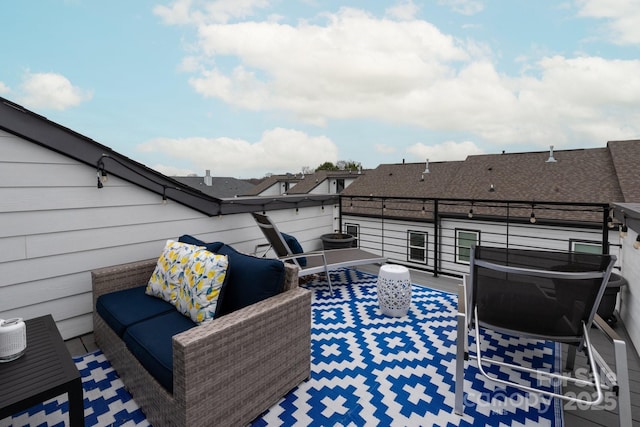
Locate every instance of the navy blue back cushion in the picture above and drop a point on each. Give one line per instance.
(150, 342)
(295, 247)
(250, 280)
(127, 307)
(211, 247)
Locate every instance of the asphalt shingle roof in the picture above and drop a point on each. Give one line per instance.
(581, 176)
(626, 161)
(221, 187)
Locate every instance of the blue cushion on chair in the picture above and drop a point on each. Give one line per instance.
(250, 280)
(150, 342)
(211, 247)
(122, 309)
(295, 247)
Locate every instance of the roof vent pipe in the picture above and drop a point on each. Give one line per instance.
(426, 167)
(207, 178)
(551, 159)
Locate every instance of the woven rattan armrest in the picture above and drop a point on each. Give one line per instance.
(248, 358)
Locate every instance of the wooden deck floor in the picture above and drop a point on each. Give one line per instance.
(573, 417)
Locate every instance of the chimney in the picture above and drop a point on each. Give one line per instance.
(551, 159)
(426, 170)
(208, 181)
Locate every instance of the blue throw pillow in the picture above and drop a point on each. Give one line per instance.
(295, 247)
(211, 247)
(250, 279)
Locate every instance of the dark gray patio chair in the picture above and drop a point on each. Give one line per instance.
(317, 261)
(541, 295)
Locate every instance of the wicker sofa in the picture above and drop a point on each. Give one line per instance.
(225, 372)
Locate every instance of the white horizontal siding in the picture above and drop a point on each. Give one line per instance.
(14, 149)
(389, 237)
(629, 295)
(56, 226)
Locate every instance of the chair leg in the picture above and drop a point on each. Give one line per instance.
(571, 357)
(622, 374)
(326, 270)
(460, 358)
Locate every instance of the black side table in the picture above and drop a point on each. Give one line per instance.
(45, 371)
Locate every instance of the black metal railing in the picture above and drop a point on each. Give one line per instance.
(446, 228)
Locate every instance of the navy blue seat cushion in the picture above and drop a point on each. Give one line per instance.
(295, 247)
(122, 309)
(150, 342)
(211, 247)
(250, 280)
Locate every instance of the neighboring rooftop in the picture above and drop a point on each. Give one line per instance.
(311, 181)
(301, 183)
(220, 187)
(593, 175)
(272, 180)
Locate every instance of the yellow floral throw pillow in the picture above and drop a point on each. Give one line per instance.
(168, 275)
(204, 278)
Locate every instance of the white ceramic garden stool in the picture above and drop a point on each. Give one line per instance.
(394, 290)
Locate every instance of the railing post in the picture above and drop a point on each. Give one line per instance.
(605, 229)
(340, 213)
(508, 221)
(382, 212)
(436, 239)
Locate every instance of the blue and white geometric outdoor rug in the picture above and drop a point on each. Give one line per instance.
(366, 369)
(370, 369)
(106, 402)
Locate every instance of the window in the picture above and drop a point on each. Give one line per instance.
(285, 187)
(354, 230)
(465, 239)
(339, 185)
(417, 246)
(585, 246)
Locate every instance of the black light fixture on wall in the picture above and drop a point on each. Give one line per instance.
(101, 174)
(532, 217)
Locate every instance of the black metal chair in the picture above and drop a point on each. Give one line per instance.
(317, 261)
(541, 295)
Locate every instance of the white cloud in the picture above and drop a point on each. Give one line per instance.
(183, 12)
(175, 171)
(410, 72)
(622, 18)
(384, 149)
(4, 88)
(323, 72)
(178, 13)
(278, 151)
(403, 11)
(51, 90)
(446, 151)
(464, 7)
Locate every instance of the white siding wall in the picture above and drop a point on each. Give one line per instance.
(323, 188)
(56, 226)
(630, 295)
(328, 186)
(394, 234)
(275, 190)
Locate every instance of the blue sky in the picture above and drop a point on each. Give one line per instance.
(250, 87)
